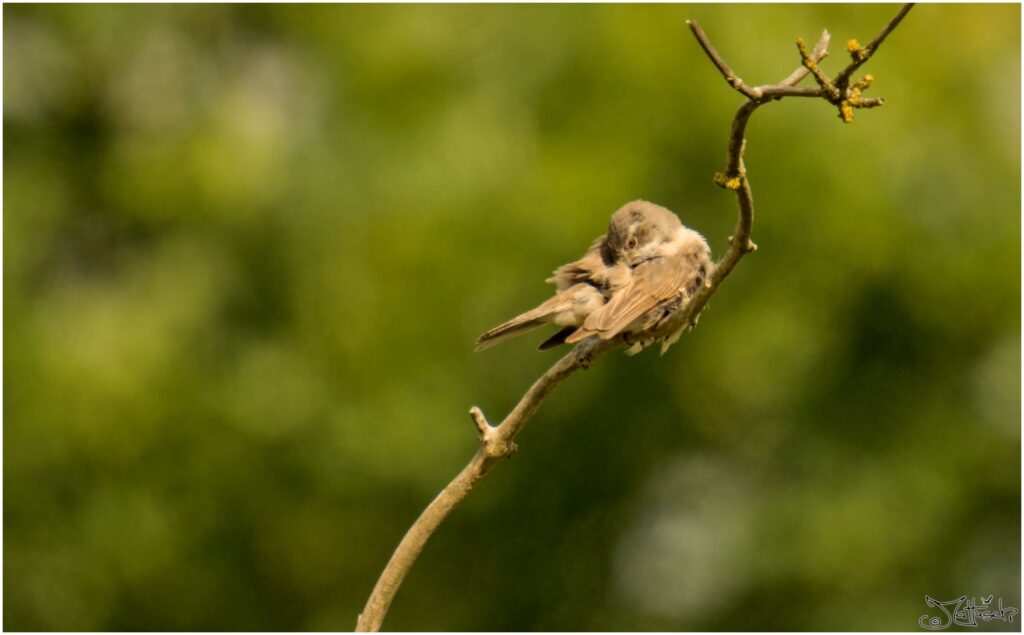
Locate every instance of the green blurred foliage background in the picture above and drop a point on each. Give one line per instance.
(247, 250)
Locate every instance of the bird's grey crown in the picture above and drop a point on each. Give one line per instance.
(642, 219)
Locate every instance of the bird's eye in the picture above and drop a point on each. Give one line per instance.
(631, 243)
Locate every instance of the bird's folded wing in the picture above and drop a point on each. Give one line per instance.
(582, 270)
(653, 283)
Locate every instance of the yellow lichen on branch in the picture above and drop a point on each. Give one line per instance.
(727, 182)
(857, 52)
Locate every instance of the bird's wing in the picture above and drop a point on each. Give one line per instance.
(653, 283)
(582, 270)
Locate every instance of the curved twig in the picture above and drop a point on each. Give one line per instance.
(496, 442)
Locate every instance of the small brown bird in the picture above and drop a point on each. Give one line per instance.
(629, 281)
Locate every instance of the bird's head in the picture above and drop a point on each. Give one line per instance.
(638, 231)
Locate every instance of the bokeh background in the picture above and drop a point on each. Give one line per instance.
(247, 250)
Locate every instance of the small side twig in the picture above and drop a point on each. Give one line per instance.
(819, 53)
(496, 442)
(812, 66)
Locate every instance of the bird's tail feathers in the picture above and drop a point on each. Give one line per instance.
(557, 339)
(515, 326)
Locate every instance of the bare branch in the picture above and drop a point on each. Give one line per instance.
(839, 92)
(785, 88)
(496, 442)
(717, 60)
(862, 55)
